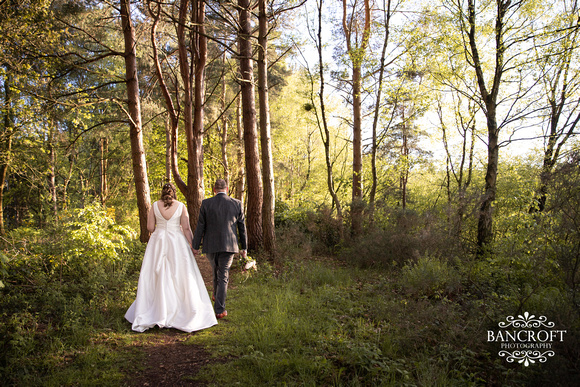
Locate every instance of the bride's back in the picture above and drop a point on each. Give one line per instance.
(168, 216)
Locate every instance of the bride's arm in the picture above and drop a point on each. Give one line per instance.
(151, 219)
(185, 225)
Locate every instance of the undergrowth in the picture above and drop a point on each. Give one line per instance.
(322, 323)
(359, 318)
(63, 287)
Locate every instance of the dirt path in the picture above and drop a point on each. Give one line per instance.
(205, 269)
(169, 361)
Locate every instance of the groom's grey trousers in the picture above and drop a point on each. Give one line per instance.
(220, 263)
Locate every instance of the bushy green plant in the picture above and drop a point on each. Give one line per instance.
(381, 248)
(62, 283)
(318, 227)
(286, 216)
(3, 268)
(90, 233)
(292, 242)
(430, 276)
(398, 237)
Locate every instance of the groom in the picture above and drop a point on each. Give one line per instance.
(220, 225)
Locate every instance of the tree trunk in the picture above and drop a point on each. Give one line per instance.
(375, 144)
(253, 175)
(6, 145)
(405, 169)
(485, 221)
(135, 128)
(104, 186)
(193, 78)
(52, 173)
(356, 52)
(357, 165)
(241, 176)
(193, 105)
(67, 179)
(172, 124)
(559, 85)
(168, 150)
(489, 98)
(224, 131)
(268, 205)
(323, 125)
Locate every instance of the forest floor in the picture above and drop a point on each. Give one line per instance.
(169, 360)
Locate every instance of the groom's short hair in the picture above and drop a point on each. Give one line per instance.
(220, 185)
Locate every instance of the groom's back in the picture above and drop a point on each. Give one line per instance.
(223, 218)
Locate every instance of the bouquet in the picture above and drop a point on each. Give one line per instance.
(248, 263)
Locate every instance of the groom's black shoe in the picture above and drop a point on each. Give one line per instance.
(221, 315)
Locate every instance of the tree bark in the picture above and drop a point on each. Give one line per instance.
(323, 124)
(104, 188)
(168, 148)
(375, 142)
(561, 82)
(52, 173)
(357, 164)
(67, 179)
(241, 173)
(253, 175)
(356, 52)
(224, 131)
(193, 105)
(6, 145)
(192, 75)
(405, 172)
(135, 127)
(489, 98)
(173, 112)
(268, 205)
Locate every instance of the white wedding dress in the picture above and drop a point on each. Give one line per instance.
(171, 292)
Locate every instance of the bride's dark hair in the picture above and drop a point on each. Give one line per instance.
(168, 194)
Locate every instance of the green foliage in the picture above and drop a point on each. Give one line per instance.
(431, 277)
(318, 228)
(321, 324)
(298, 150)
(63, 285)
(396, 236)
(91, 234)
(3, 268)
(309, 320)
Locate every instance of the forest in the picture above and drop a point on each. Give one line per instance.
(409, 171)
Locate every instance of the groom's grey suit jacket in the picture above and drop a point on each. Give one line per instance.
(220, 225)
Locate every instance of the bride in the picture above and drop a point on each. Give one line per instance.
(171, 292)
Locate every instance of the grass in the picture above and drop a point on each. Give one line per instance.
(318, 323)
(311, 322)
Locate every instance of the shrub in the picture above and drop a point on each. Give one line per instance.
(91, 233)
(61, 283)
(318, 228)
(399, 237)
(325, 230)
(430, 276)
(292, 243)
(381, 248)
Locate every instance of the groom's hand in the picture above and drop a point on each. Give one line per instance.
(244, 253)
(195, 252)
